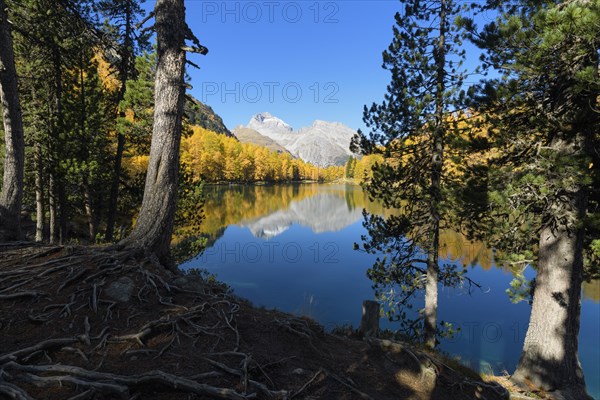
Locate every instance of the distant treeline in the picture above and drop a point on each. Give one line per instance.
(210, 157)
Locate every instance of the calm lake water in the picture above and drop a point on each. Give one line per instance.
(290, 247)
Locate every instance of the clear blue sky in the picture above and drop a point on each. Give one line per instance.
(262, 54)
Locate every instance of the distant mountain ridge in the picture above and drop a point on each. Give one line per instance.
(247, 135)
(202, 115)
(322, 144)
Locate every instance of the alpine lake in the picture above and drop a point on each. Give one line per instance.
(290, 247)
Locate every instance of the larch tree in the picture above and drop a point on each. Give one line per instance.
(544, 116)
(411, 128)
(14, 158)
(154, 225)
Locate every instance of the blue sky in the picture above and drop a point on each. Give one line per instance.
(298, 60)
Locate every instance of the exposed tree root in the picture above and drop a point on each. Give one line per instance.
(307, 384)
(45, 345)
(99, 346)
(13, 392)
(84, 276)
(121, 384)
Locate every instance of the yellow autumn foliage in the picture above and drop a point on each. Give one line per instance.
(107, 75)
(135, 164)
(211, 157)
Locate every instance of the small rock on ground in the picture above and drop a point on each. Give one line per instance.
(120, 290)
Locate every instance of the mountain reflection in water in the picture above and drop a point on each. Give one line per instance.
(270, 210)
(323, 212)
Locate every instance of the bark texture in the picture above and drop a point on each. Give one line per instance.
(12, 183)
(549, 358)
(154, 225)
(39, 196)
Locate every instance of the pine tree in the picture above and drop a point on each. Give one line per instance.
(411, 128)
(544, 118)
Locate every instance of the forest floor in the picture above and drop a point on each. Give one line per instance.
(90, 323)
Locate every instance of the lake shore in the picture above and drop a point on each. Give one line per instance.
(80, 316)
(352, 182)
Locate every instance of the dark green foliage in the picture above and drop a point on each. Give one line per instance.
(136, 109)
(545, 94)
(134, 123)
(87, 159)
(49, 40)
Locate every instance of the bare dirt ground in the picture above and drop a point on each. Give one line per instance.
(90, 323)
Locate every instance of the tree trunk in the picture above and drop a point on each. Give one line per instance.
(549, 358)
(124, 69)
(114, 189)
(437, 157)
(89, 211)
(431, 292)
(14, 158)
(154, 225)
(61, 207)
(62, 215)
(53, 213)
(87, 191)
(56, 192)
(39, 196)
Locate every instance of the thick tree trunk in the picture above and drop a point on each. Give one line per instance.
(124, 69)
(437, 158)
(14, 158)
(549, 358)
(154, 225)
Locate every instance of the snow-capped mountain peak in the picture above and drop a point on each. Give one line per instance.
(323, 143)
(268, 122)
